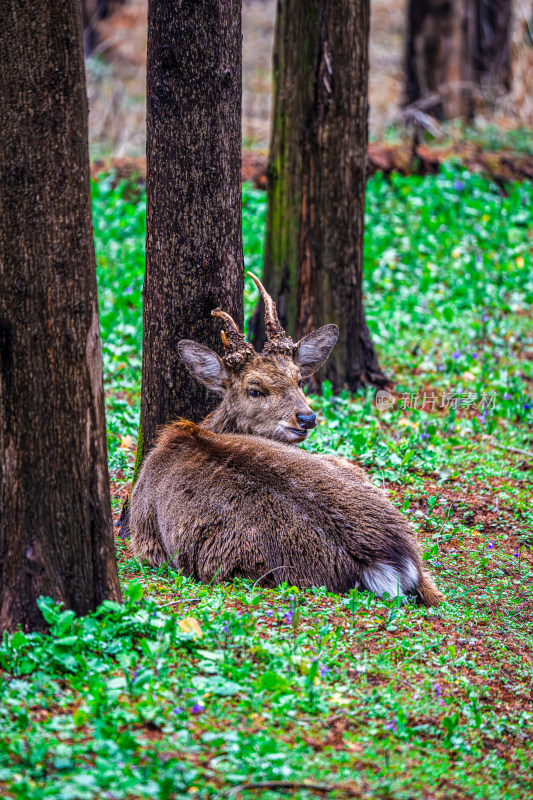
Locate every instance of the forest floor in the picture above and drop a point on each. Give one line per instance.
(238, 691)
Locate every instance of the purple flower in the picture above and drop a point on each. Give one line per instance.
(288, 616)
(323, 670)
(225, 628)
(197, 708)
(527, 406)
(458, 186)
(474, 355)
(269, 613)
(128, 290)
(441, 368)
(482, 418)
(507, 396)
(485, 318)
(490, 545)
(438, 692)
(456, 355)
(424, 435)
(178, 710)
(134, 676)
(390, 726)
(517, 551)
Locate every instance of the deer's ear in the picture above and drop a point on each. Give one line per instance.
(314, 349)
(204, 364)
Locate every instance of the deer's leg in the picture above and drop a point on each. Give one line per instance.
(146, 542)
(428, 592)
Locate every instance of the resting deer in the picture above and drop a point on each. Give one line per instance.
(233, 496)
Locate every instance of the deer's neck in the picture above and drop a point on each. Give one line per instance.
(220, 421)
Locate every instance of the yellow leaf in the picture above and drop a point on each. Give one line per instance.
(126, 442)
(191, 625)
(485, 218)
(520, 262)
(456, 252)
(468, 376)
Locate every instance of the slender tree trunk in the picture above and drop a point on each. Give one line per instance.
(454, 49)
(491, 51)
(316, 180)
(55, 514)
(92, 12)
(193, 237)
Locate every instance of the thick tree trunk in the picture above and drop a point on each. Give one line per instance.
(454, 49)
(193, 237)
(316, 180)
(55, 514)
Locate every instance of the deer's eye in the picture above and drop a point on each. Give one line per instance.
(301, 383)
(255, 393)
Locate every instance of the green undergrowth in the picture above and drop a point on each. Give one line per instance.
(188, 690)
(448, 299)
(230, 690)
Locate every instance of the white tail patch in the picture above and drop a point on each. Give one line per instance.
(411, 576)
(383, 578)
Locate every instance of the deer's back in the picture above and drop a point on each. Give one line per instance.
(227, 505)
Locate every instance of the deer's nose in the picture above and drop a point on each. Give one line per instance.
(306, 420)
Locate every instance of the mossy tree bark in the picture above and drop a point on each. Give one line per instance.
(193, 237)
(56, 534)
(458, 53)
(316, 181)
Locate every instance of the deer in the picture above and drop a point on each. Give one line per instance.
(235, 497)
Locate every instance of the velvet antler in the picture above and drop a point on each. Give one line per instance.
(237, 349)
(277, 342)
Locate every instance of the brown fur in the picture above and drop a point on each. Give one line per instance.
(222, 500)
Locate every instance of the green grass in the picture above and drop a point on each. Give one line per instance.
(371, 697)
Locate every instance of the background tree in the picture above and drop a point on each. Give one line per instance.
(454, 49)
(316, 180)
(193, 236)
(55, 523)
(92, 12)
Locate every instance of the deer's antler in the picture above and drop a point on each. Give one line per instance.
(237, 349)
(277, 340)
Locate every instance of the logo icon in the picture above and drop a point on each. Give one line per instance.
(384, 400)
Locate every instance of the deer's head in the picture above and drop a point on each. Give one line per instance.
(261, 392)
